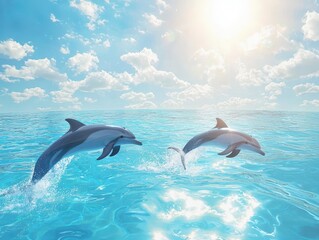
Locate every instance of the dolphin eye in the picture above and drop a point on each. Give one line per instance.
(121, 136)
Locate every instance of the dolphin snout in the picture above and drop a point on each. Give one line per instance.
(261, 152)
(136, 142)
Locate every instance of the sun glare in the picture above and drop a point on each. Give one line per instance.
(229, 17)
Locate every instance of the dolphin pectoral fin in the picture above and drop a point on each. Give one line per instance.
(106, 150)
(234, 153)
(231, 148)
(115, 151)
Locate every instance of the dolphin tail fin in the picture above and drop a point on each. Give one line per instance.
(182, 154)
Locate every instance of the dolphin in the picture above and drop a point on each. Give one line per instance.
(81, 137)
(222, 136)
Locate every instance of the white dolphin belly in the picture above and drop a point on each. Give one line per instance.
(224, 140)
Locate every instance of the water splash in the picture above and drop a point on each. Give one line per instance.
(26, 196)
(171, 163)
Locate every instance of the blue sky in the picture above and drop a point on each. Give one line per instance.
(180, 54)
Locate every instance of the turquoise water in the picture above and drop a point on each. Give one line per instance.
(144, 193)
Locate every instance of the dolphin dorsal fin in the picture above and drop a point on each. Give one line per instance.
(220, 123)
(74, 124)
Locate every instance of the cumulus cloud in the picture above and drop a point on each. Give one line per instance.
(310, 26)
(53, 18)
(191, 93)
(304, 63)
(273, 90)
(313, 103)
(236, 102)
(305, 88)
(251, 77)
(83, 62)
(179, 99)
(102, 80)
(64, 50)
(269, 40)
(89, 100)
(161, 4)
(140, 60)
(94, 81)
(106, 44)
(143, 105)
(65, 94)
(15, 50)
(32, 69)
(143, 63)
(27, 94)
(129, 40)
(210, 64)
(91, 10)
(152, 19)
(139, 100)
(137, 96)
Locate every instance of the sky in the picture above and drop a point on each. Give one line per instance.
(159, 54)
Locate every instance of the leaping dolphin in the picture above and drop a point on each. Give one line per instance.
(81, 137)
(222, 136)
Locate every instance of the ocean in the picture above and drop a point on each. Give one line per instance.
(144, 193)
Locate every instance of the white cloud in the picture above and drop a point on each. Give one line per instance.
(310, 26)
(94, 81)
(83, 62)
(209, 64)
(305, 88)
(314, 103)
(65, 94)
(106, 44)
(143, 105)
(79, 37)
(171, 104)
(15, 50)
(269, 40)
(251, 77)
(171, 36)
(90, 10)
(33, 68)
(236, 102)
(89, 100)
(139, 100)
(162, 4)
(152, 19)
(4, 91)
(140, 60)
(191, 93)
(53, 18)
(129, 40)
(44, 109)
(64, 50)
(304, 63)
(143, 62)
(27, 94)
(137, 96)
(102, 80)
(273, 90)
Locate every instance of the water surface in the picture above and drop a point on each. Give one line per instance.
(144, 193)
